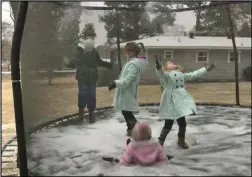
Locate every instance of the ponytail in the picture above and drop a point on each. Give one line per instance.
(141, 46)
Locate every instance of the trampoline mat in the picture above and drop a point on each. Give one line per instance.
(220, 140)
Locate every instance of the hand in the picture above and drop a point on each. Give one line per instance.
(128, 141)
(111, 159)
(112, 85)
(158, 65)
(66, 61)
(210, 67)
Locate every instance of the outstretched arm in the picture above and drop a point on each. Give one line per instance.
(133, 71)
(73, 63)
(101, 62)
(160, 71)
(127, 157)
(161, 75)
(162, 156)
(195, 74)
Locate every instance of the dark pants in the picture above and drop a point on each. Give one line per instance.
(181, 123)
(130, 119)
(168, 126)
(87, 96)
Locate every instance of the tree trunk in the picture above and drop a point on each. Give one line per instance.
(198, 16)
(197, 27)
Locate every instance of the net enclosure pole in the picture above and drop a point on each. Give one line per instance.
(16, 86)
(231, 26)
(118, 41)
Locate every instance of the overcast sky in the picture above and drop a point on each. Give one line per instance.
(184, 18)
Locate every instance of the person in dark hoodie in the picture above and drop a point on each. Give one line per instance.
(86, 61)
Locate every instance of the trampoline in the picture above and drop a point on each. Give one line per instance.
(219, 145)
(52, 141)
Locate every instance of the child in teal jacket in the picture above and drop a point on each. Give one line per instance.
(125, 98)
(176, 102)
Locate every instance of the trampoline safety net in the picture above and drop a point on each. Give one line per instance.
(72, 51)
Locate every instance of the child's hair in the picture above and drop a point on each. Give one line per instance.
(135, 47)
(89, 31)
(141, 131)
(179, 67)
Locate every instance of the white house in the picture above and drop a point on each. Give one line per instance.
(193, 52)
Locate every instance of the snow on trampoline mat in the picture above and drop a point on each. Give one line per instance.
(220, 140)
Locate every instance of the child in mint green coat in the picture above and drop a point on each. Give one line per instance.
(125, 98)
(176, 102)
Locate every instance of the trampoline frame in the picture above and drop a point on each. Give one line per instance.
(16, 84)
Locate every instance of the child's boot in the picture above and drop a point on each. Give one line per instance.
(91, 116)
(181, 141)
(81, 113)
(130, 125)
(163, 135)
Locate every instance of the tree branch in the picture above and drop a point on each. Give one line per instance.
(214, 5)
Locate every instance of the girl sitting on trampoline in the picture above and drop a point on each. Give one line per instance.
(176, 102)
(142, 149)
(125, 99)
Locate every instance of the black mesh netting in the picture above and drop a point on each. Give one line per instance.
(191, 34)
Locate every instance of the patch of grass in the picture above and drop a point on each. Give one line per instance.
(60, 99)
(10, 170)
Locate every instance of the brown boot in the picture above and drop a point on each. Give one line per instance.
(91, 117)
(81, 113)
(181, 142)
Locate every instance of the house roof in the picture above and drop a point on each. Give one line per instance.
(198, 42)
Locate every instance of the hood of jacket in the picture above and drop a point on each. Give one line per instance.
(140, 63)
(86, 44)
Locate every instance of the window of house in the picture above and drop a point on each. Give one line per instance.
(231, 57)
(202, 56)
(168, 54)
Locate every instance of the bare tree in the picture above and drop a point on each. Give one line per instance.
(7, 32)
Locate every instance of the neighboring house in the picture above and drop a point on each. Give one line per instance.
(194, 52)
(104, 50)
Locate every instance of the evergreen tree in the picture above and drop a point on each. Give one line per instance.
(136, 24)
(69, 29)
(198, 12)
(245, 30)
(215, 20)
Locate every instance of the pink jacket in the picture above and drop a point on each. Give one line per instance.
(143, 153)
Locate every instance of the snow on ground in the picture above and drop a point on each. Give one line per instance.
(220, 140)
